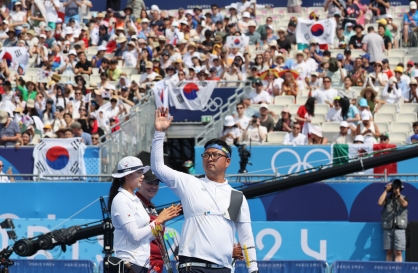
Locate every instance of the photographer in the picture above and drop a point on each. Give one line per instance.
(255, 131)
(394, 220)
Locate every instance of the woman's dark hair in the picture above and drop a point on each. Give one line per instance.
(68, 114)
(49, 111)
(114, 189)
(390, 88)
(310, 106)
(105, 61)
(345, 106)
(219, 142)
(347, 77)
(26, 133)
(103, 74)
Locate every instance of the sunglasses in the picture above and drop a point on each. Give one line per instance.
(95, 138)
(383, 139)
(78, 93)
(1, 165)
(325, 81)
(82, 109)
(239, 108)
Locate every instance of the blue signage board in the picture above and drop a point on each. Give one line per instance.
(52, 266)
(310, 241)
(373, 267)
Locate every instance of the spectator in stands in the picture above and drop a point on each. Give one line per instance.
(289, 87)
(248, 111)
(255, 131)
(346, 91)
(78, 132)
(381, 77)
(300, 65)
(266, 120)
(368, 129)
(378, 8)
(255, 37)
(314, 51)
(83, 66)
(359, 139)
(386, 68)
(384, 138)
(366, 63)
(4, 178)
(333, 6)
(9, 130)
(315, 82)
(411, 96)
(348, 31)
(316, 136)
(415, 133)
(402, 83)
(25, 139)
(374, 45)
(259, 96)
(326, 94)
(283, 41)
(305, 114)
(381, 30)
(285, 123)
(391, 93)
(241, 120)
(339, 75)
(356, 40)
(295, 137)
(230, 132)
(291, 32)
(344, 136)
(410, 22)
(370, 99)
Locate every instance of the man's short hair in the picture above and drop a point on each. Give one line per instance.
(219, 142)
(113, 62)
(415, 124)
(68, 114)
(213, 6)
(240, 103)
(370, 29)
(75, 125)
(326, 77)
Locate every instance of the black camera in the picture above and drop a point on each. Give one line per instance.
(244, 156)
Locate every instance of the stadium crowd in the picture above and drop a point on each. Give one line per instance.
(85, 69)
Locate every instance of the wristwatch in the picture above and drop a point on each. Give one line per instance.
(255, 271)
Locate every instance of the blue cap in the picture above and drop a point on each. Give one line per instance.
(363, 102)
(256, 115)
(340, 57)
(367, 56)
(414, 137)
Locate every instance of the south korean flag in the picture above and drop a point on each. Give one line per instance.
(59, 157)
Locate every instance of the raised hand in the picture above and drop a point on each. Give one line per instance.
(168, 214)
(162, 121)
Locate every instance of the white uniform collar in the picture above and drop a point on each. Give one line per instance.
(206, 179)
(128, 194)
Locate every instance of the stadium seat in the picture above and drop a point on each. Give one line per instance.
(276, 109)
(320, 118)
(321, 109)
(406, 117)
(395, 60)
(95, 78)
(276, 137)
(384, 117)
(136, 77)
(408, 107)
(301, 100)
(383, 126)
(388, 108)
(398, 137)
(95, 71)
(357, 89)
(293, 109)
(331, 126)
(397, 52)
(65, 79)
(400, 127)
(284, 100)
(31, 72)
(129, 70)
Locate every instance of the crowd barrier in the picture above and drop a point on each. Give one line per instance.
(53, 266)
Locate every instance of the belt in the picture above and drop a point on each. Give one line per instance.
(196, 264)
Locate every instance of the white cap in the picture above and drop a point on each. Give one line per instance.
(413, 5)
(344, 124)
(72, 52)
(313, 41)
(393, 80)
(246, 14)
(252, 23)
(316, 130)
(365, 115)
(111, 87)
(189, 11)
(155, 7)
(128, 165)
(145, 20)
(68, 30)
(42, 36)
(229, 121)
(102, 47)
(359, 138)
(264, 105)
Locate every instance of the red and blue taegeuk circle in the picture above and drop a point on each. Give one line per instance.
(237, 41)
(57, 157)
(317, 30)
(190, 91)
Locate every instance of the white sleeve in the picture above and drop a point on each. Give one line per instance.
(286, 140)
(136, 235)
(245, 235)
(173, 179)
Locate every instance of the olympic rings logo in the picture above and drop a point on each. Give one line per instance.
(299, 164)
(213, 104)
